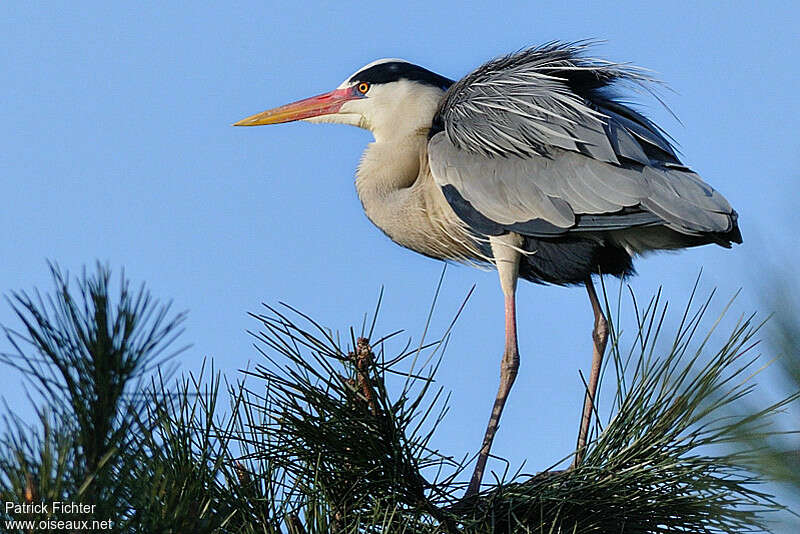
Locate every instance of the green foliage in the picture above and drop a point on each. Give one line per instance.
(86, 353)
(652, 468)
(334, 436)
(349, 449)
(193, 478)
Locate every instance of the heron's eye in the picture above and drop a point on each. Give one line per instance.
(362, 88)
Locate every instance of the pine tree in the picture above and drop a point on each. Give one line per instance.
(319, 437)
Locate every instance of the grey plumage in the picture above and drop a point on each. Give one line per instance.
(557, 190)
(539, 143)
(527, 103)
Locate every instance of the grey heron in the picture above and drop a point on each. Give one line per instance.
(532, 163)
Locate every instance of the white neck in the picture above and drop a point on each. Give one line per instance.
(385, 175)
(400, 197)
(393, 180)
(399, 116)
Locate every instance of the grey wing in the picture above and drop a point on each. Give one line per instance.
(536, 142)
(570, 192)
(549, 97)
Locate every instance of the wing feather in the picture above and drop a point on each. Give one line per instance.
(548, 97)
(537, 143)
(571, 192)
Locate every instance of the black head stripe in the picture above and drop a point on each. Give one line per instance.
(392, 71)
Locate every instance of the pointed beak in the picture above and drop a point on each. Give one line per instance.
(324, 104)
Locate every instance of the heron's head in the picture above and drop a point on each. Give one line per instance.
(389, 97)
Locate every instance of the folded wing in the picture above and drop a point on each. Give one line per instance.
(536, 143)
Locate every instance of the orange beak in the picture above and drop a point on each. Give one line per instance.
(324, 104)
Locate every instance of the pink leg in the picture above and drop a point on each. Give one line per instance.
(508, 372)
(600, 338)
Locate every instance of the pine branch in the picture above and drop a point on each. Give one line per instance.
(331, 434)
(84, 353)
(649, 470)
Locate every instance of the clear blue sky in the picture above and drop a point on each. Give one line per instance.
(116, 145)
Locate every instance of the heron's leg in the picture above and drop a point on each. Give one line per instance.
(600, 337)
(507, 259)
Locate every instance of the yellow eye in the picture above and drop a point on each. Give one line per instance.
(363, 87)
